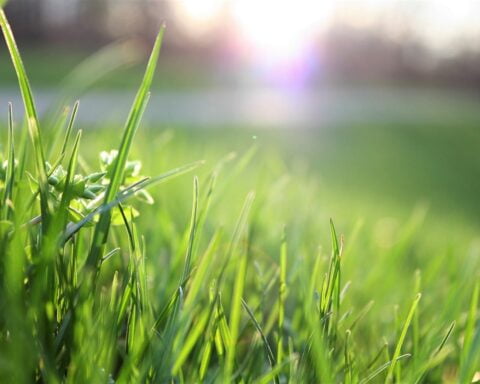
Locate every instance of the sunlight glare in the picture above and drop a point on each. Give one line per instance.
(279, 30)
(198, 16)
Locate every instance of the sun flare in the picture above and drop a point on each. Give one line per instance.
(271, 30)
(279, 31)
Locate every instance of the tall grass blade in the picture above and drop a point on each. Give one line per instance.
(19, 68)
(31, 114)
(433, 360)
(10, 173)
(69, 128)
(270, 376)
(401, 339)
(471, 319)
(193, 227)
(116, 176)
(282, 295)
(236, 300)
(445, 338)
(471, 342)
(194, 334)
(472, 360)
(271, 357)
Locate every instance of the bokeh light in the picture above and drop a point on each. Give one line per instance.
(278, 36)
(197, 17)
(279, 31)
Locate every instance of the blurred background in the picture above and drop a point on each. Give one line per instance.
(304, 44)
(377, 101)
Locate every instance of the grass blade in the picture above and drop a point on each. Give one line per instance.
(239, 229)
(472, 315)
(125, 194)
(268, 349)
(23, 82)
(194, 334)
(445, 338)
(133, 121)
(235, 315)
(401, 339)
(433, 360)
(193, 227)
(282, 296)
(67, 193)
(471, 344)
(69, 127)
(31, 113)
(10, 174)
(383, 368)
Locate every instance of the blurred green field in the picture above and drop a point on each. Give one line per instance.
(48, 66)
(392, 187)
(382, 170)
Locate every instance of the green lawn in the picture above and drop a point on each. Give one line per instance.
(234, 273)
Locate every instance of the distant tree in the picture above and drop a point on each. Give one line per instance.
(28, 18)
(91, 18)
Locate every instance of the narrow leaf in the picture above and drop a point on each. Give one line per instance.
(116, 176)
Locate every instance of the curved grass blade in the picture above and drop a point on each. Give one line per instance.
(363, 312)
(239, 229)
(431, 361)
(205, 317)
(445, 338)
(235, 308)
(472, 315)
(19, 67)
(67, 193)
(282, 296)
(31, 114)
(401, 339)
(471, 343)
(69, 128)
(193, 335)
(201, 271)
(347, 357)
(193, 227)
(116, 176)
(382, 368)
(268, 348)
(467, 370)
(377, 356)
(10, 174)
(125, 194)
(127, 227)
(270, 376)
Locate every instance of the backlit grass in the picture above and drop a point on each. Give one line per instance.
(231, 272)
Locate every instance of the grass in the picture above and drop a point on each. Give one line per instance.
(224, 284)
